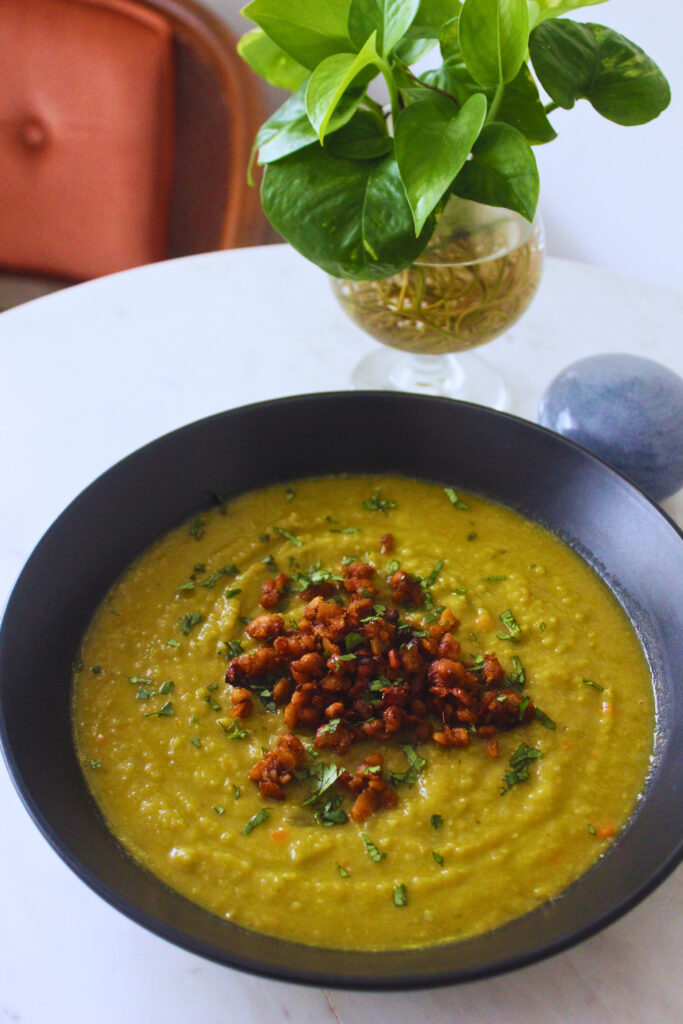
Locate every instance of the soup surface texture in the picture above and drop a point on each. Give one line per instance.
(471, 840)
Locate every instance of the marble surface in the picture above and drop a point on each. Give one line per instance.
(93, 372)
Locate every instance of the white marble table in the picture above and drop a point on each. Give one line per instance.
(91, 373)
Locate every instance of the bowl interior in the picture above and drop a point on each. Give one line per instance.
(636, 549)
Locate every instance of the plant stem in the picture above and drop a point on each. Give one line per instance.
(497, 99)
(549, 107)
(426, 85)
(391, 86)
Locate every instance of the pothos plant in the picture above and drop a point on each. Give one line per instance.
(357, 186)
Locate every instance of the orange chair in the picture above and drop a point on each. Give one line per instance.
(125, 133)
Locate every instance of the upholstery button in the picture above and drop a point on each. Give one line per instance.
(33, 133)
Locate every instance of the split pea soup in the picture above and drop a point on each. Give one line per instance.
(505, 779)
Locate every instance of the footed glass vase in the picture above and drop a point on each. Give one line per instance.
(477, 276)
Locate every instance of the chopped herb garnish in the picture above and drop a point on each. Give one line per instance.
(400, 895)
(233, 592)
(290, 493)
(454, 499)
(342, 871)
(270, 563)
(353, 640)
(234, 730)
(212, 703)
(324, 777)
(377, 504)
(166, 687)
(288, 536)
(509, 620)
(541, 626)
(212, 687)
(523, 756)
(526, 701)
(189, 621)
(331, 726)
(196, 742)
(258, 819)
(344, 657)
(394, 565)
(173, 643)
(190, 585)
(264, 537)
(432, 578)
(472, 535)
(416, 762)
(233, 648)
(237, 791)
(493, 579)
(372, 850)
(77, 665)
(144, 694)
(544, 719)
(349, 530)
(139, 680)
(225, 570)
(592, 830)
(196, 528)
(596, 686)
(96, 669)
(436, 821)
(437, 857)
(94, 764)
(332, 813)
(218, 809)
(165, 712)
(199, 567)
(518, 677)
(459, 591)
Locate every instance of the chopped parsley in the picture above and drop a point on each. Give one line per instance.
(233, 648)
(523, 756)
(459, 591)
(288, 536)
(214, 705)
(258, 819)
(331, 813)
(189, 621)
(373, 852)
(167, 687)
(196, 528)
(234, 731)
(94, 764)
(164, 712)
(436, 821)
(416, 762)
(592, 830)
(437, 857)
(526, 701)
(508, 619)
(352, 641)
(237, 791)
(270, 563)
(324, 776)
(349, 530)
(290, 493)
(493, 579)
(342, 871)
(596, 686)
(472, 535)
(454, 499)
(218, 809)
(517, 678)
(173, 643)
(400, 895)
(196, 742)
(541, 626)
(432, 578)
(377, 504)
(96, 669)
(544, 719)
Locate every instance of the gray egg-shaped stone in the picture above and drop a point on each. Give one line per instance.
(626, 409)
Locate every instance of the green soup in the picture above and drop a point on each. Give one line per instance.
(462, 851)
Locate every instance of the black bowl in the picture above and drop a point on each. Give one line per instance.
(631, 543)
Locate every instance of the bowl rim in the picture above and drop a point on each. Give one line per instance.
(303, 974)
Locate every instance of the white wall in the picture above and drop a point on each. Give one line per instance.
(610, 195)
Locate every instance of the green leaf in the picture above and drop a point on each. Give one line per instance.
(431, 16)
(521, 107)
(289, 128)
(350, 217)
(454, 78)
(270, 62)
(363, 138)
(618, 79)
(433, 140)
(539, 10)
(331, 79)
(388, 18)
(308, 32)
(409, 51)
(493, 37)
(449, 40)
(502, 171)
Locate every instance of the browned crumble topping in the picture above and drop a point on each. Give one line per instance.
(355, 670)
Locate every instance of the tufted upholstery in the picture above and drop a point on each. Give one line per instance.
(119, 143)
